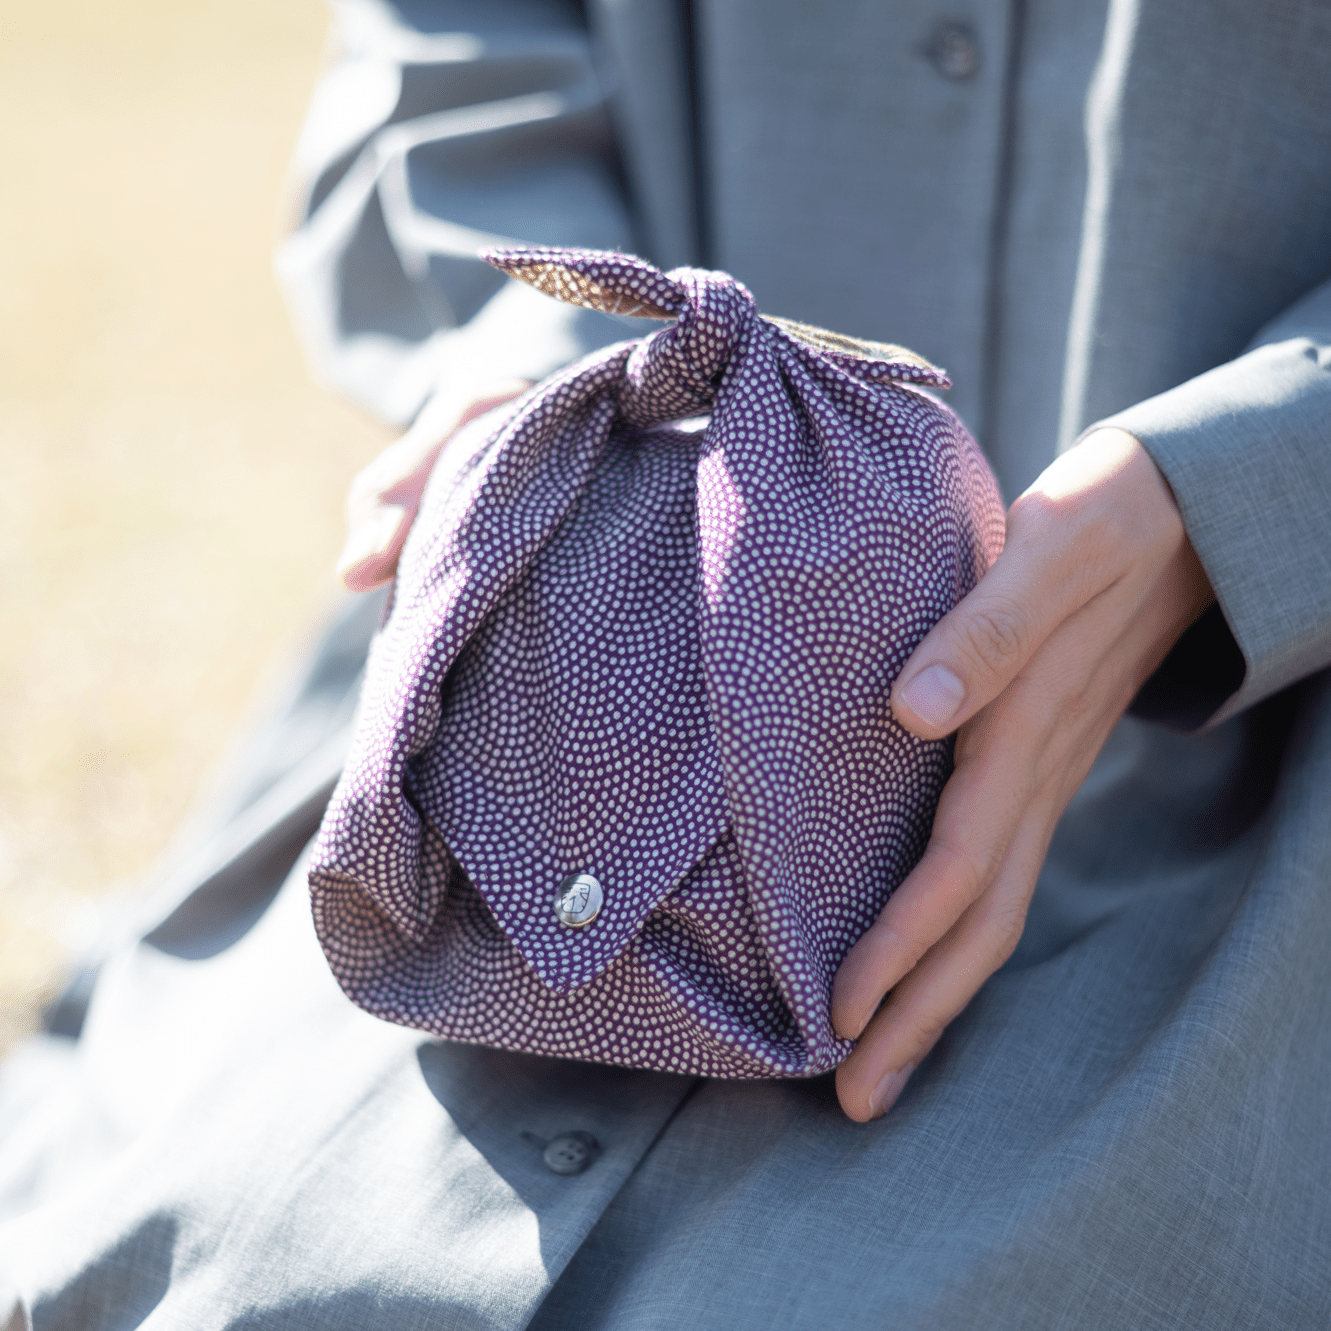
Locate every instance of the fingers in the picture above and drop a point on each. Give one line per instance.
(978, 815)
(1035, 666)
(1096, 511)
(385, 496)
(959, 914)
(976, 650)
(377, 528)
(1033, 744)
(944, 981)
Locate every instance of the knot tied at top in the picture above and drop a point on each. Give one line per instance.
(676, 372)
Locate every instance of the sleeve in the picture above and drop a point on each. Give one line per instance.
(439, 127)
(1246, 448)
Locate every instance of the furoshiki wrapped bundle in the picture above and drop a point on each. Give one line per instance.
(625, 785)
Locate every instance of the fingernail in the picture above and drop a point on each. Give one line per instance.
(885, 1093)
(935, 695)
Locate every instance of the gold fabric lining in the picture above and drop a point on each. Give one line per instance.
(577, 289)
(821, 339)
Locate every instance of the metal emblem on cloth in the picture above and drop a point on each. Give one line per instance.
(579, 901)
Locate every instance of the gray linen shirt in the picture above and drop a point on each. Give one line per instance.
(1098, 211)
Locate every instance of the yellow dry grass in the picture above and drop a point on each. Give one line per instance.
(171, 501)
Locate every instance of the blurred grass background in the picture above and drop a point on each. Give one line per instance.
(171, 501)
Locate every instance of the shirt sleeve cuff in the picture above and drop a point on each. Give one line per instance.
(1246, 449)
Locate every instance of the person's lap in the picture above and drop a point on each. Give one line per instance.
(1120, 1131)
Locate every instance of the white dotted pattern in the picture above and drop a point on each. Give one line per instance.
(661, 655)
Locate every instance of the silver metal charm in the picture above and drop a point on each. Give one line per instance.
(579, 901)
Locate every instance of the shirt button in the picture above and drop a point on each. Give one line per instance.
(579, 901)
(954, 50)
(570, 1153)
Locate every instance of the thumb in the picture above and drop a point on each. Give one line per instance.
(980, 646)
(1069, 536)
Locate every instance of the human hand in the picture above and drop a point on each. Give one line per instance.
(1095, 584)
(385, 496)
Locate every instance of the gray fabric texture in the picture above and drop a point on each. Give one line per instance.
(1122, 214)
(1243, 429)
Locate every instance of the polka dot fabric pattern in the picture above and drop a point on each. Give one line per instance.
(645, 628)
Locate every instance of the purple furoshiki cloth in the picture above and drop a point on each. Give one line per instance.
(625, 785)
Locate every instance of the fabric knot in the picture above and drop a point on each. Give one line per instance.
(674, 373)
